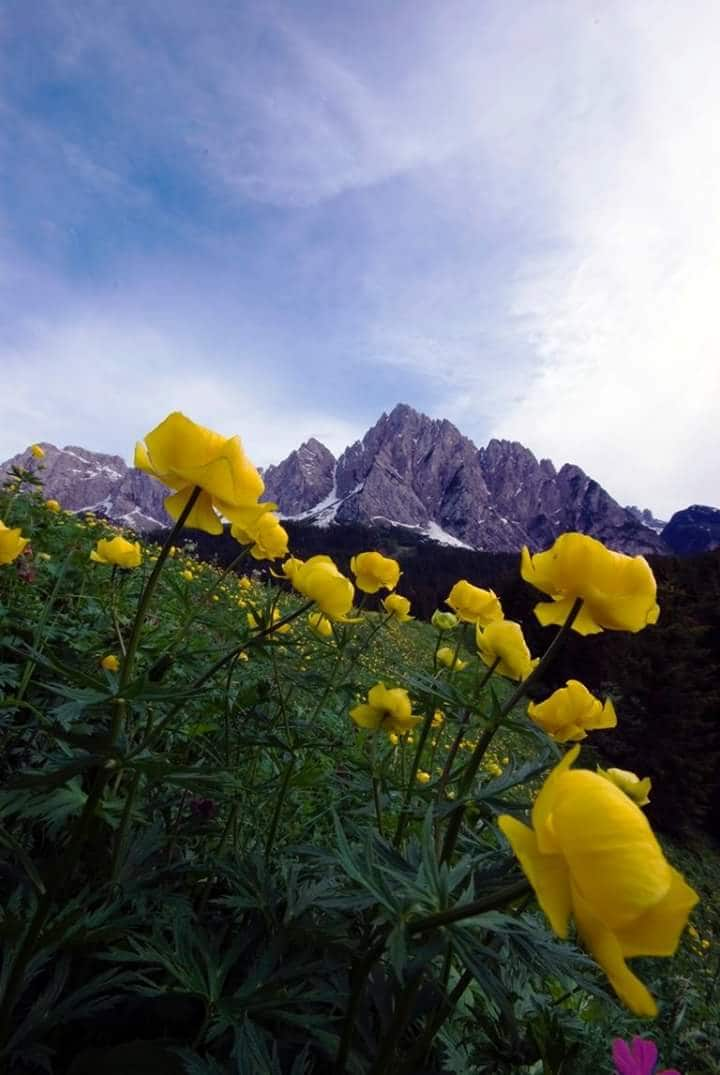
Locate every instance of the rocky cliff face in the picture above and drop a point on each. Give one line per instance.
(420, 472)
(302, 480)
(408, 470)
(91, 481)
(695, 529)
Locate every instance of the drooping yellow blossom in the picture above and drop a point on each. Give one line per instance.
(118, 552)
(110, 663)
(37, 451)
(444, 621)
(422, 777)
(446, 656)
(630, 783)
(618, 591)
(52, 505)
(374, 572)
(270, 539)
(503, 641)
(320, 581)
(474, 605)
(184, 455)
(12, 543)
(398, 607)
(571, 712)
(591, 852)
(387, 710)
(320, 624)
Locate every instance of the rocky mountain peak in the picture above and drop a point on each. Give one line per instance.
(305, 478)
(82, 480)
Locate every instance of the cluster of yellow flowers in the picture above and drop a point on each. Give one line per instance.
(590, 851)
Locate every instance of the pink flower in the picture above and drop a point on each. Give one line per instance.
(638, 1058)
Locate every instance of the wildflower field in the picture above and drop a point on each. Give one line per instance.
(283, 827)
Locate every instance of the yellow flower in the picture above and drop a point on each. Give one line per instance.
(571, 712)
(184, 455)
(422, 777)
(398, 607)
(187, 575)
(632, 785)
(11, 543)
(503, 640)
(110, 663)
(37, 451)
(117, 552)
(288, 568)
(446, 656)
(438, 718)
(618, 591)
(320, 624)
(374, 572)
(592, 853)
(444, 621)
(244, 583)
(52, 505)
(270, 539)
(172, 552)
(320, 581)
(394, 738)
(389, 710)
(693, 933)
(473, 605)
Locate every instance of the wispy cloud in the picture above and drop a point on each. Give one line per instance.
(506, 215)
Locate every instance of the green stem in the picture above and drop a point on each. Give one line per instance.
(121, 835)
(146, 596)
(358, 977)
(278, 806)
(470, 910)
(378, 807)
(403, 1004)
(410, 787)
(487, 736)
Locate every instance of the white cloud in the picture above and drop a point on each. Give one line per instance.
(621, 314)
(103, 382)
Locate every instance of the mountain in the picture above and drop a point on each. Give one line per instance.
(695, 529)
(91, 481)
(414, 471)
(305, 477)
(645, 516)
(407, 471)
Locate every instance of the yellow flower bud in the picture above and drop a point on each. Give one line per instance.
(37, 451)
(320, 581)
(110, 663)
(446, 656)
(387, 709)
(187, 575)
(422, 777)
(12, 543)
(572, 711)
(117, 552)
(398, 607)
(374, 572)
(52, 505)
(444, 621)
(632, 785)
(473, 605)
(503, 641)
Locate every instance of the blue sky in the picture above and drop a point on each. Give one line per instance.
(283, 218)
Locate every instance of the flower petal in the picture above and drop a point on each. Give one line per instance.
(547, 874)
